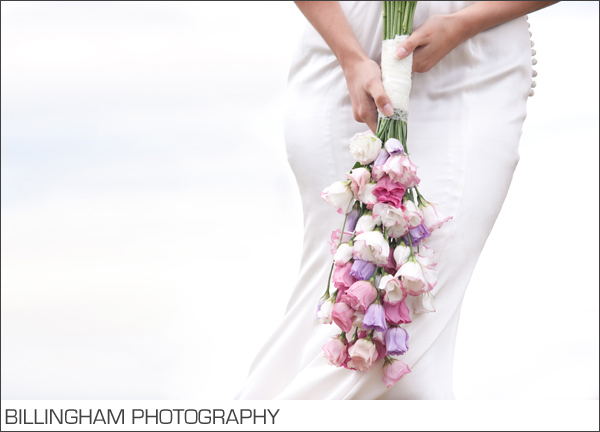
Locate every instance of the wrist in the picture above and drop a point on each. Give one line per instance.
(350, 58)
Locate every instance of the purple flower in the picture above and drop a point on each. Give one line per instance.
(362, 270)
(381, 157)
(396, 341)
(394, 147)
(353, 217)
(417, 235)
(375, 318)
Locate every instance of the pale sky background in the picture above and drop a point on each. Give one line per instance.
(146, 201)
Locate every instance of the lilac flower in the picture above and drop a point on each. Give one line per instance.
(375, 318)
(353, 217)
(362, 270)
(417, 235)
(396, 341)
(394, 146)
(381, 157)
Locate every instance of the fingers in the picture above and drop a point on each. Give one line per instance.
(409, 45)
(366, 112)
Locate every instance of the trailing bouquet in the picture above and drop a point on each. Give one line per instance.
(378, 256)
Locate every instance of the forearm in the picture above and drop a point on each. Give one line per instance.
(328, 18)
(483, 15)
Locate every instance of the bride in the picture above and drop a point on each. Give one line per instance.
(471, 78)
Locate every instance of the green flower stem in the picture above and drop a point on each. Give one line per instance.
(333, 263)
(412, 252)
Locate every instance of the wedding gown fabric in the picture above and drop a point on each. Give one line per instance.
(466, 116)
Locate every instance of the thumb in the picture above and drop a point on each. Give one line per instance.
(383, 102)
(408, 46)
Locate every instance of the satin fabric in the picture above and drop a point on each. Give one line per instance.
(465, 122)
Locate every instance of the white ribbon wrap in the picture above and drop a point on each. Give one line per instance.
(396, 76)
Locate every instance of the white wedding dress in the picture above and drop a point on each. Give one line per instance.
(466, 116)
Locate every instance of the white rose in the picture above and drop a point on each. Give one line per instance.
(432, 217)
(423, 304)
(366, 223)
(412, 277)
(389, 215)
(371, 246)
(324, 314)
(365, 195)
(397, 231)
(401, 254)
(364, 147)
(414, 214)
(343, 254)
(425, 260)
(393, 289)
(339, 195)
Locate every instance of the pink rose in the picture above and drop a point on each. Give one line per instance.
(393, 371)
(396, 313)
(335, 352)
(362, 354)
(343, 316)
(359, 178)
(342, 279)
(402, 170)
(361, 295)
(335, 240)
(389, 192)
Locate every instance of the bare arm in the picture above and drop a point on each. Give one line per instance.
(430, 42)
(440, 34)
(363, 75)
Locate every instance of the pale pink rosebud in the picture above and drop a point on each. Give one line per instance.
(394, 370)
(360, 295)
(343, 316)
(335, 352)
(362, 354)
(402, 170)
(359, 177)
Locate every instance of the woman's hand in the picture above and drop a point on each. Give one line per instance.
(440, 34)
(363, 77)
(432, 41)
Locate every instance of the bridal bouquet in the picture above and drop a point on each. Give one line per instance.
(379, 255)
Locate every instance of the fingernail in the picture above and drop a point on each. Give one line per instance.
(401, 53)
(388, 110)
